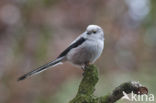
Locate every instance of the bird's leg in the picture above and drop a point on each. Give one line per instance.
(84, 67)
(87, 64)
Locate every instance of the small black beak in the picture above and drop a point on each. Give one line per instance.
(89, 32)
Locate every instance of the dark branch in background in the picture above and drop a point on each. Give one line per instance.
(87, 88)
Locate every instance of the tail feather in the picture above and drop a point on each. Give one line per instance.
(41, 69)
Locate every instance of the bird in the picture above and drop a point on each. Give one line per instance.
(84, 50)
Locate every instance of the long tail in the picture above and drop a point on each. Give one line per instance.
(41, 69)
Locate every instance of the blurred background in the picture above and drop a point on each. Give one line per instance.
(34, 32)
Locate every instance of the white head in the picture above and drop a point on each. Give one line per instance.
(94, 31)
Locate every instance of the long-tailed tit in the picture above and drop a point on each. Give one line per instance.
(86, 49)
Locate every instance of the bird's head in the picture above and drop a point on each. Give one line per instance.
(94, 31)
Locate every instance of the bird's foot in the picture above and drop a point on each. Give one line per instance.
(84, 67)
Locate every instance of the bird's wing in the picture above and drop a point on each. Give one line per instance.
(74, 44)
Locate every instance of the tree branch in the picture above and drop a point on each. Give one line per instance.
(128, 88)
(87, 88)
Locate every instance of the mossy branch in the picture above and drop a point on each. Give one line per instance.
(87, 88)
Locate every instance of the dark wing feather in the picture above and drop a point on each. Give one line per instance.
(74, 45)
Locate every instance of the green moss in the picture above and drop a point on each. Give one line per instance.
(87, 86)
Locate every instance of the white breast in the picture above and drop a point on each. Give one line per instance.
(88, 52)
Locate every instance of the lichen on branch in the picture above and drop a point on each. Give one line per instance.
(87, 88)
